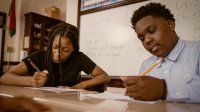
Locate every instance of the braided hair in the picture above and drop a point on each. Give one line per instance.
(154, 9)
(63, 30)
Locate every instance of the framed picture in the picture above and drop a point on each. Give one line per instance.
(89, 6)
(2, 19)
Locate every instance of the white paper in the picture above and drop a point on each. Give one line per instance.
(115, 96)
(56, 89)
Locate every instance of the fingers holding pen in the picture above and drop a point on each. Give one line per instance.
(39, 78)
(134, 86)
(129, 80)
(144, 87)
(135, 91)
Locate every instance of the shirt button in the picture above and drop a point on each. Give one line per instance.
(172, 63)
(166, 72)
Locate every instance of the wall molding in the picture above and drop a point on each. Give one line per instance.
(11, 62)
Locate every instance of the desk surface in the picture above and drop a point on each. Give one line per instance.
(73, 102)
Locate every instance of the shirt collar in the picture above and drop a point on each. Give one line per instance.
(173, 55)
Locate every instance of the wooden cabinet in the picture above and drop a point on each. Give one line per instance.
(37, 28)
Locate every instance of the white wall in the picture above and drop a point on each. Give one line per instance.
(39, 6)
(72, 11)
(5, 5)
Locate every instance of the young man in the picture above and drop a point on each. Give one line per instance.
(177, 77)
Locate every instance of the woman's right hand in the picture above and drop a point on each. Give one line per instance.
(39, 78)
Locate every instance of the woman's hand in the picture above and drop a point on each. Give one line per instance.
(39, 78)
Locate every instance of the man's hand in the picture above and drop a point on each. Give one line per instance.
(144, 87)
(39, 78)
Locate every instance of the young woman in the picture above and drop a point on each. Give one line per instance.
(60, 65)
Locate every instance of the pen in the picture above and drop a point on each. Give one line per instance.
(34, 66)
(151, 67)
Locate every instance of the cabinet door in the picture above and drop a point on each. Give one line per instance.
(37, 36)
(37, 28)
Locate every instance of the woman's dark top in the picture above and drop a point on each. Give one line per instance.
(71, 69)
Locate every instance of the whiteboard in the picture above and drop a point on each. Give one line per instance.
(108, 39)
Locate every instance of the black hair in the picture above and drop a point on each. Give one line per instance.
(154, 9)
(63, 30)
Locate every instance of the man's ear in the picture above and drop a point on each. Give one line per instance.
(171, 25)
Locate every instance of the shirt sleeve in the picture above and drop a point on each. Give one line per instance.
(189, 90)
(87, 64)
(185, 87)
(36, 57)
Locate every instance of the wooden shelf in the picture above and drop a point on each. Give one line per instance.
(37, 28)
(37, 47)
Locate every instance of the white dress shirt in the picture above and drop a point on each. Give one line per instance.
(181, 71)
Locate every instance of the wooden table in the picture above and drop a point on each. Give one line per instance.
(73, 102)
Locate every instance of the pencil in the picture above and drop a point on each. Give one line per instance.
(34, 66)
(151, 67)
